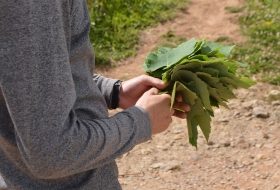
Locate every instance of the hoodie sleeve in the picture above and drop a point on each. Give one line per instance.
(106, 86)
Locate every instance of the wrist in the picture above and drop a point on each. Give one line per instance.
(122, 98)
(115, 94)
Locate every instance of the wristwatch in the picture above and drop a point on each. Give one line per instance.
(115, 95)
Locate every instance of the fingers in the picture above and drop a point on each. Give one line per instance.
(172, 111)
(182, 106)
(179, 108)
(153, 91)
(180, 114)
(155, 82)
(179, 97)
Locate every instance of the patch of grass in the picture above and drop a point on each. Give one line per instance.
(116, 25)
(272, 98)
(235, 9)
(170, 40)
(261, 22)
(176, 168)
(225, 40)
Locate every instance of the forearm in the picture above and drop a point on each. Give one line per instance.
(106, 86)
(81, 145)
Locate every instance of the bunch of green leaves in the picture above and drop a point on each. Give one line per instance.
(116, 25)
(202, 72)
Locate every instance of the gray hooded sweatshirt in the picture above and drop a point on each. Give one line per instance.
(55, 132)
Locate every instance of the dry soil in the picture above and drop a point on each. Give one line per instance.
(244, 147)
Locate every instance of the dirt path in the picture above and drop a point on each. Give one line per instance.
(244, 148)
(201, 19)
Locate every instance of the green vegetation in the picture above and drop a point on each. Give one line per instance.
(261, 22)
(224, 39)
(169, 39)
(176, 168)
(116, 25)
(235, 9)
(202, 72)
(272, 97)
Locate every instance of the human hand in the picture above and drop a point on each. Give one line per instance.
(133, 89)
(158, 108)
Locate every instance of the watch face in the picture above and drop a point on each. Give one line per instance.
(115, 97)
(118, 83)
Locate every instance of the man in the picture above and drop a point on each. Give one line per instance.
(55, 132)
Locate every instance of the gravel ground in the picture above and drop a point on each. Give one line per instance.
(242, 153)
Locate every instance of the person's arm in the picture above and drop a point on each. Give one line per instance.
(106, 86)
(58, 113)
(55, 138)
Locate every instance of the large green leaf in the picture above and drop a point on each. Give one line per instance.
(157, 73)
(188, 96)
(225, 50)
(232, 66)
(224, 92)
(156, 60)
(200, 86)
(166, 77)
(214, 103)
(200, 57)
(248, 81)
(162, 49)
(192, 129)
(212, 82)
(211, 71)
(152, 60)
(196, 109)
(193, 66)
(229, 83)
(173, 94)
(209, 61)
(215, 52)
(209, 47)
(208, 79)
(216, 49)
(224, 72)
(198, 46)
(204, 123)
(214, 94)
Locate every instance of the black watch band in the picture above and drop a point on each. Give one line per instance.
(115, 95)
